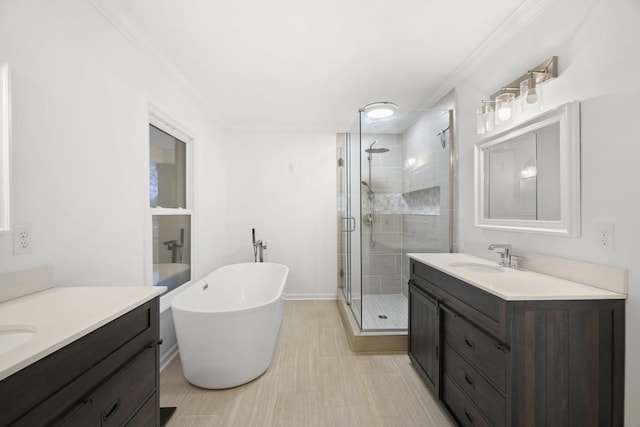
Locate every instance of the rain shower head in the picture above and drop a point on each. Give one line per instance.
(372, 150)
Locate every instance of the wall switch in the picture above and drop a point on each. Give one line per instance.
(22, 240)
(605, 236)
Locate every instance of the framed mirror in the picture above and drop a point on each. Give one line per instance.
(527, 178)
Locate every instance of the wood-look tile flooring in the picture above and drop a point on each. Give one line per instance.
(314, 380)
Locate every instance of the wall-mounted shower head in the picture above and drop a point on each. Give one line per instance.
(369, 190)
(372, 150)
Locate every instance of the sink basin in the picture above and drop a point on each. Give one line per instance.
(477, 267)
(11, 336)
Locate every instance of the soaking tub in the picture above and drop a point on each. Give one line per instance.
(227, 324)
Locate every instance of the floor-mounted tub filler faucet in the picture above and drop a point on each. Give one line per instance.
(258, 247)
(505, 255)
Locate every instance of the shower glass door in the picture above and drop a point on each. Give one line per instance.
(349, 239)
(396, 184)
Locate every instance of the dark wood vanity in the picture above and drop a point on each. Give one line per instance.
(108, 377)
(497, 362)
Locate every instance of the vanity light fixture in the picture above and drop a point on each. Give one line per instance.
(526, 91)
(379, 110)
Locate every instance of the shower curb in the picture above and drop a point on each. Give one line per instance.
(393, 342)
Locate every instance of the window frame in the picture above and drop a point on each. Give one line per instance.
(166, 124)
(5, 149)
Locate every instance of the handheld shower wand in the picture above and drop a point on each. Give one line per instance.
(255, 248)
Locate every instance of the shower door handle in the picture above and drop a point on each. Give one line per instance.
(351, 227)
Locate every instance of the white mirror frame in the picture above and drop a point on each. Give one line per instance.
(5, 149)
(568, 116)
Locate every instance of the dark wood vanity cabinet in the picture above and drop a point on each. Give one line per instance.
(423, 343)
(517, 363)
(109, 377)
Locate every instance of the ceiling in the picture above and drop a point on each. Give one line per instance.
(301, 64)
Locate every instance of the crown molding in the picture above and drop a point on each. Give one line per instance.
(132, 31)
(506, 31)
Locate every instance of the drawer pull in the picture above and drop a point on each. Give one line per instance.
(110, 410)
(466, 414)
(468, 342)
(469, 381)
(501, 348)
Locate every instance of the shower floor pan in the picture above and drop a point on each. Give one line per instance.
(377, 341)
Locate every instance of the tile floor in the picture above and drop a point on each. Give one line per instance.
(392, 307)
(314, 380)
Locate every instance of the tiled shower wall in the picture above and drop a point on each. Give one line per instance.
(426, 157)
(382, 262)
(412, 208)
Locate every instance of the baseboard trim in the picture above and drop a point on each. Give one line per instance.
(324, 297)
(168, 356)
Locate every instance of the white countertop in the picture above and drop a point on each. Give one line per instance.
(62, 315)
(510, 284)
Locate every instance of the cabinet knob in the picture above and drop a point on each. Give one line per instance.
(469, 381)
(469, 417)
(468, 342)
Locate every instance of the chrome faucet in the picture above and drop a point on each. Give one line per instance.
(261, 246)
(176, 250)
(505, 256)
(258, 247)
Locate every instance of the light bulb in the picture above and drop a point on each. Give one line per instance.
(504, 105)
(379, 113)
(532, 96)
(532, 93)
(504, 113)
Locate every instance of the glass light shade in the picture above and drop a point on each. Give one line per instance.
(480, 125)
(489, 115)
(504, 107)
(530, 94)
(380, 110)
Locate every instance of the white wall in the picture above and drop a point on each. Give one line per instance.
(81, 95)
(597, 45)
(293, 211)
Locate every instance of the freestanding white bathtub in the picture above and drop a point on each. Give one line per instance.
(227, 324)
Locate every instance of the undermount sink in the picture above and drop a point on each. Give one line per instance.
(11, 336)
(478, 267)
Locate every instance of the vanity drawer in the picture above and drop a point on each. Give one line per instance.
(463, 409)
(485, 353)
(120, 397)
(474, 385)
(147, 416)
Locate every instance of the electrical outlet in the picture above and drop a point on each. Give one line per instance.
(605, 236)
(22, 243)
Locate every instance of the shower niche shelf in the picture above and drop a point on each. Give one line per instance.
(425, 201)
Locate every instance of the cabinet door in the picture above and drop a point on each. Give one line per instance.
(424, 335)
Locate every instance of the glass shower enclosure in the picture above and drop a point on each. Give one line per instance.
(395, 197)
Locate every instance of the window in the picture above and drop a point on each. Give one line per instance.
(171, 214)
